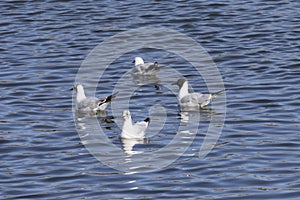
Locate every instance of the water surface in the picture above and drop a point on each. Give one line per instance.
(255, 45)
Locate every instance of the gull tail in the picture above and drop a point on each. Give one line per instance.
(111, 97)
(154, 66)
(107, 99)
(215, 94)
(147, 120)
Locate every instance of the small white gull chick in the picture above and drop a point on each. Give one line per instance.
(141, 68)
(133, 131)
(193, 100)
(90, 104)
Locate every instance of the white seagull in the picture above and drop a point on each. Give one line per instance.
(90, 104)
(193, 100)
(133, 131)
(142, 68)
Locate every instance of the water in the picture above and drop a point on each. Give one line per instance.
(255, 45)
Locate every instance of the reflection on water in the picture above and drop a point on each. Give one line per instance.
(145, 79)
(133, 155)
(81, 114)
(128, 145)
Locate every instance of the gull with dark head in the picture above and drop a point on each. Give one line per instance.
(133, 130)
(90, 104)
(193, 100)
(141, 68)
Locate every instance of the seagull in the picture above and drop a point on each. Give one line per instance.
(193, 100)
(90, 104)
(133, 131)
(142, 68)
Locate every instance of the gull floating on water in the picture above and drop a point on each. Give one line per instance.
(90, 104)
(193, 100)
(142, 68)
(133, 131)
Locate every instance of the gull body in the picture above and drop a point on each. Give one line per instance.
(90, 104)
(193, 100)
(141, 68)
(132, 130)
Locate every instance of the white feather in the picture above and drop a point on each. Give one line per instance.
(130, 130)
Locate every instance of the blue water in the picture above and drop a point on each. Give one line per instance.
(255, 46)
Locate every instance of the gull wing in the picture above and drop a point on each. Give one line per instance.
(107, 99)
(196, 99)
(146, 69)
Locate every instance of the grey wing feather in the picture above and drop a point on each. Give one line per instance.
(152, 67)
(194, 99)
(199, 99)
(147, 68)
(93, 104)
(191, 98)
(140, 127)
(88, 104)
(203, 97)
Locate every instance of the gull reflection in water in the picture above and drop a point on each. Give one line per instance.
(99, 113)
(206, 114)
(145, 79)
(129, 143)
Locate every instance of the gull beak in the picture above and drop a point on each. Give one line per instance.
(133, 61)
(72, 88)
(174, 83)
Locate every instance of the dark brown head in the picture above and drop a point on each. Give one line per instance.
(180, 82)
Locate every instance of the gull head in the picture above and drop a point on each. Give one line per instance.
(77, 87)
(138, 61)
(180, 82)
(126, 114)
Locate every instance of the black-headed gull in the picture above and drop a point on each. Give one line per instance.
(90, 104)
(141, 68)
(133, 131)
(193, 100)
